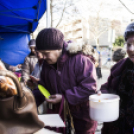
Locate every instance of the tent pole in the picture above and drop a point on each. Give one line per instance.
(17, 9)
(14, 29)
(38, 9)
(48, 14)
(18, 17)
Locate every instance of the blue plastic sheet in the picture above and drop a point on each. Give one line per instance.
(18, 18)
(20, 15)
(14, 47)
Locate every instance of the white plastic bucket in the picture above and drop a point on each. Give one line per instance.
(104, 107)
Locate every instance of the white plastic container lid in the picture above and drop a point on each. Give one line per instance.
(104, 98)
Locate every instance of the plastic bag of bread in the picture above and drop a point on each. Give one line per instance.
(18, 114)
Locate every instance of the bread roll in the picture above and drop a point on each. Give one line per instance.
(7, 86)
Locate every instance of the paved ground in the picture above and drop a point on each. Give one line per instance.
(105, 74)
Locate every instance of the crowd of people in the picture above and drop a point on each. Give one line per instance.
(68, 71)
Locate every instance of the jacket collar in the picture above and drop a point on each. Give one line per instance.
(64, 57)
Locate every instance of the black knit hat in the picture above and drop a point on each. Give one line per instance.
(129, 31)
(32, 43)
(49, 39)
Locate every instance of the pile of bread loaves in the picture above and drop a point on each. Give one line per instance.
(7, 86)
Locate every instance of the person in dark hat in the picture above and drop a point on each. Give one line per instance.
(67, 75)
(119, 54)
(121, 82)
(29, 62)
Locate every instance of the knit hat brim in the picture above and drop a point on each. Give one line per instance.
(50, 39)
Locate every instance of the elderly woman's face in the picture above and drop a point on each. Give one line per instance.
(51, 56)
(130, 48)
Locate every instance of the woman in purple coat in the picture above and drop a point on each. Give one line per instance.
(68, 72)
(121, 82)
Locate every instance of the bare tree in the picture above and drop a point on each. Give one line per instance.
(115, 24)
(97, 27)
(99, 24)
(60, 9)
